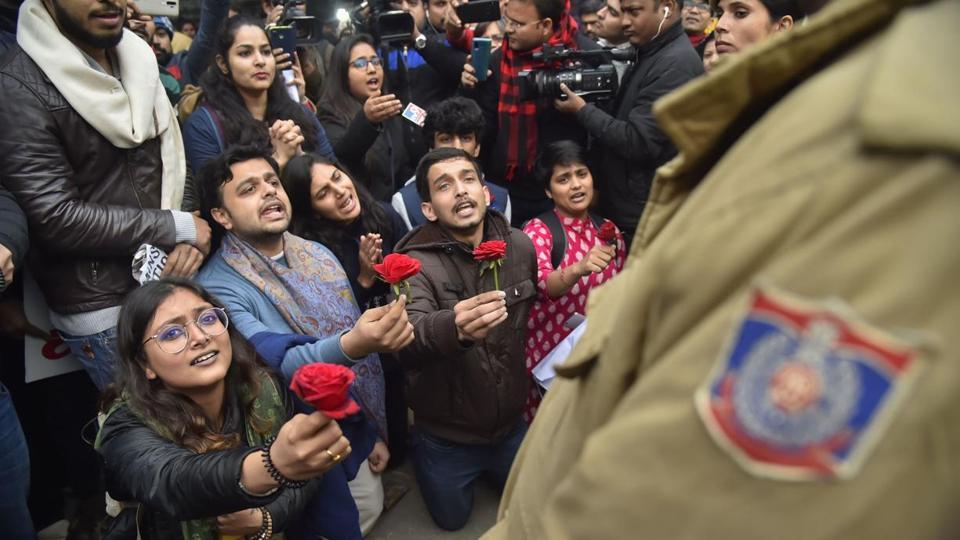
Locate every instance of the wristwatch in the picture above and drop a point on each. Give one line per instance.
(420, 42)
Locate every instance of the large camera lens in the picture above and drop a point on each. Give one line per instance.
(589, 83)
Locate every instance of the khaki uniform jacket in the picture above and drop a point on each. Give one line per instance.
(846, 186)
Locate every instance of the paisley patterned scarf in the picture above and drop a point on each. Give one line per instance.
(313, 295)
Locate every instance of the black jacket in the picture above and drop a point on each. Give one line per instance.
(173, 484)
(13, 229)
(552, 126)
(375, 154)
(432, 75)
(629, 146)
(470, 393)
(89, 204)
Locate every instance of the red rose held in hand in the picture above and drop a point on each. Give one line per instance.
(491, 254)
(491, 250)
(325, 387)
(608, 232)
(397, 267)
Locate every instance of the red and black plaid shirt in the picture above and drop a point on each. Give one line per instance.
(519, 118)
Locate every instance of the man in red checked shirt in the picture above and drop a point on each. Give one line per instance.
(466, 375)
(519, 128)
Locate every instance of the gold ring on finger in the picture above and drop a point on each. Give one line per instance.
(333, 457)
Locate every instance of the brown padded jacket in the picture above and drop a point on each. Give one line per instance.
(469, 393)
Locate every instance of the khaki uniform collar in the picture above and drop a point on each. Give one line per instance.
(705, 116)
(915, 61)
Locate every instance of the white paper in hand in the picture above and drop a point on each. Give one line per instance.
(544, 372)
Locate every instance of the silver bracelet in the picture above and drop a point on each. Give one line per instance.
(244, 489)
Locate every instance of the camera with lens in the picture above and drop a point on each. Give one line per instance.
(305, 27)
(587, 73)
(388, 25)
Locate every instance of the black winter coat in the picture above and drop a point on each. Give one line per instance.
(173, 484)
(629, 146)
(375, 154)
(89, 204)
(470, 393)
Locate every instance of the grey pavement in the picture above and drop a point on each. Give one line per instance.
(409, 519)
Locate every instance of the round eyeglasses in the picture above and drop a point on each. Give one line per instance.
(361, 63)
(174, 338)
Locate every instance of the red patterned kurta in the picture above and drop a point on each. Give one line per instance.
(545, 327)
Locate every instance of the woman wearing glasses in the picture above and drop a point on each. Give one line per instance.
(362, 120)
(186, 438)
(245, 101)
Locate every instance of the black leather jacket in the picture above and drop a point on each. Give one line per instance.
(89, 204)
(173, 484)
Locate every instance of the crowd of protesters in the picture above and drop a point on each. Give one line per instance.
(277, 186)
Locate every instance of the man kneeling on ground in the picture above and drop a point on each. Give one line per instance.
(466, 380)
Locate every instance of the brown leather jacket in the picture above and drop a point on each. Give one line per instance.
(89, 204)
(467, 393)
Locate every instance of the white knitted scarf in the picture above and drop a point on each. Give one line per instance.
(127, 112)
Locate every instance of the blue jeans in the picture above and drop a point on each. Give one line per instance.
(446, 472)
(97, 353)
(14, 474)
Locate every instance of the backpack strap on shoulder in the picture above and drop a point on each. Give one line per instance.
(559, 236)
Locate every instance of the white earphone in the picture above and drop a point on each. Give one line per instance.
(666, 13)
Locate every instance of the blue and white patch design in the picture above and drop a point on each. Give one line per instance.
(804, 390)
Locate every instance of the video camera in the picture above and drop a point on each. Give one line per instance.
(587, 73)
(389, 26)
(295, 21)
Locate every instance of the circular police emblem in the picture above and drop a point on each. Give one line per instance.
(793, 392)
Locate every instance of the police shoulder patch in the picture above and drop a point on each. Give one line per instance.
(804, 389)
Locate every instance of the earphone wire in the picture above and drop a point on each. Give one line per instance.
(666, 13)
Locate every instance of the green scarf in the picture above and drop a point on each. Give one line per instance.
(268, 405)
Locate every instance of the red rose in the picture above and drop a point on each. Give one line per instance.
(325, 387)
(397, 268)
(491, 250)
(608, 232)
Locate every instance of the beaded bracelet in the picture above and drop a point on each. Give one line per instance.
(277, 476)
(266, 526)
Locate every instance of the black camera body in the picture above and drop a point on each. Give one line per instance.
(394, 27)
(305, 26)
(586, 74)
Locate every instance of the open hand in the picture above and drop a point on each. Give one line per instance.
(379, 108)
(371, 253)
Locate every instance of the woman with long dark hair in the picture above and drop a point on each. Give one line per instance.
(332, 209)
(245, 101)
(329, 207)
(198, 438)
(364, 124)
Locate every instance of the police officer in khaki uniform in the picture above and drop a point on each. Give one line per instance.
(779, 358)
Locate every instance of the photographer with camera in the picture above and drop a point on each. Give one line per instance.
(524, 126)
(629, 145)
(421, 67)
